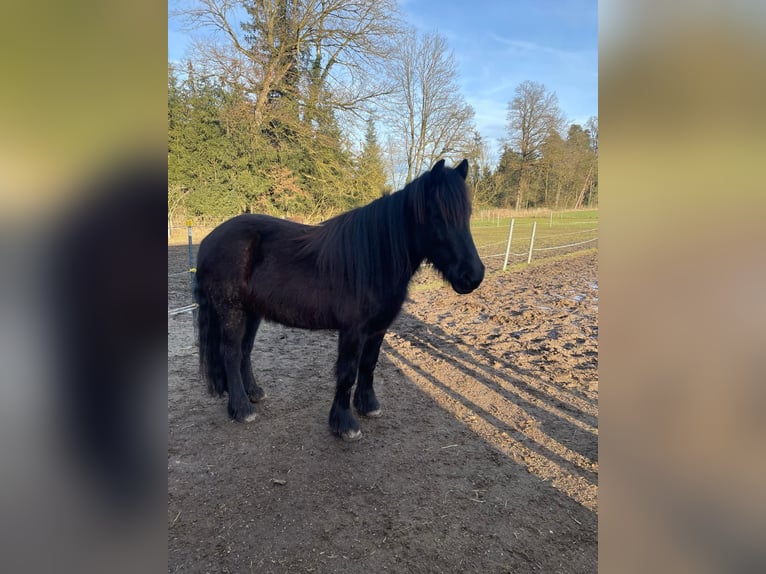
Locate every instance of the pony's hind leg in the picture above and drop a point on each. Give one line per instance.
(342, 421)
(365, 401)
(255, 393)
(233, 330)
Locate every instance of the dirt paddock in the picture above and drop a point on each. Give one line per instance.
(485, 458)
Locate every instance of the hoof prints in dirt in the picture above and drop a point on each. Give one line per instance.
(486, 459)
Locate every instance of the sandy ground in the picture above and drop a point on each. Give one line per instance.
(485, 458)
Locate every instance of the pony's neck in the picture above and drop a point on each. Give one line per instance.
(416, 248)
(401, 222)
(415, 243)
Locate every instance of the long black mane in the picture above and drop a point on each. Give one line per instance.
(369, 247)
(348, 274)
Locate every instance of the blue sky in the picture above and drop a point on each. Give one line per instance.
(498, 44)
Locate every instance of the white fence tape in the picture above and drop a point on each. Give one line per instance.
(563, 246)
(184, 309)
(503, 254)
(572, 233)
(537, 248)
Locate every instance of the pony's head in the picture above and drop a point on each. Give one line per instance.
(444, 211)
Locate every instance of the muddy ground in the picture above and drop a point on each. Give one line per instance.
(485, 458)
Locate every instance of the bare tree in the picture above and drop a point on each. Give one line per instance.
(176, 194)
(392, 156)
(339, 44)
(479, 176)
(592, 127)
(430, 117)
(533, 115)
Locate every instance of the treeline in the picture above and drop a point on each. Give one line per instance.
(221, 162)
(309, 109)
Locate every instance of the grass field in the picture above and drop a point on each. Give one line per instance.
(563, 232)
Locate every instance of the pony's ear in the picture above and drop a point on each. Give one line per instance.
(462, 168)
(437, 168)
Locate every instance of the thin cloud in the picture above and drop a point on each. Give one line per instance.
(533, 47)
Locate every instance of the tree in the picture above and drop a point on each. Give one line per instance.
(370, 170)
(201, 158)
(429, 115)
(554, 166)
(533, 115)
(506, 176)
(289, 71)
(592, 128)
(580, 146)
(293, 50)
(480, 174)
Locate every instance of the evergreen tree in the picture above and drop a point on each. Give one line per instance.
(200, 156)
(507, 177)
(554, 167)
(370, 170)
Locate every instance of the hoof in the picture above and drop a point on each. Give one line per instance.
(351, 435)
(255, 393)
(243, 413)
(372, 414)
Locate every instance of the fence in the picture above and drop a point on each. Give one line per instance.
(502, 239)
(538, 246)
(192, 307)
(509, 239)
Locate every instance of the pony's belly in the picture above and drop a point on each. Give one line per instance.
(304, 310)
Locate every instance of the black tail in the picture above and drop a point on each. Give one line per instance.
(209, 332)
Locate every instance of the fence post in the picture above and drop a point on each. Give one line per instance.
(508, 246)
(551, 224)
(532, 242)
(191, 249)
(192, 271)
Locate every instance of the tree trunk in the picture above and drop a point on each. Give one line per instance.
(522, 188)
(580, 198)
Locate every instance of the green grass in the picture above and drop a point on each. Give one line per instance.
(563, 229)
(545, 261)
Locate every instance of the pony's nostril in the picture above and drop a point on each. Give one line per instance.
(476, 274)
(472, 278)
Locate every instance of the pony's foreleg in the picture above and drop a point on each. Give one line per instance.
(365, 402)
(255, 393)
(233, 329)
(342, 422)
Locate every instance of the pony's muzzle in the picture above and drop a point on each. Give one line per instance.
(469, 279)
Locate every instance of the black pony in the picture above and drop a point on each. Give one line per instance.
(350, 273)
